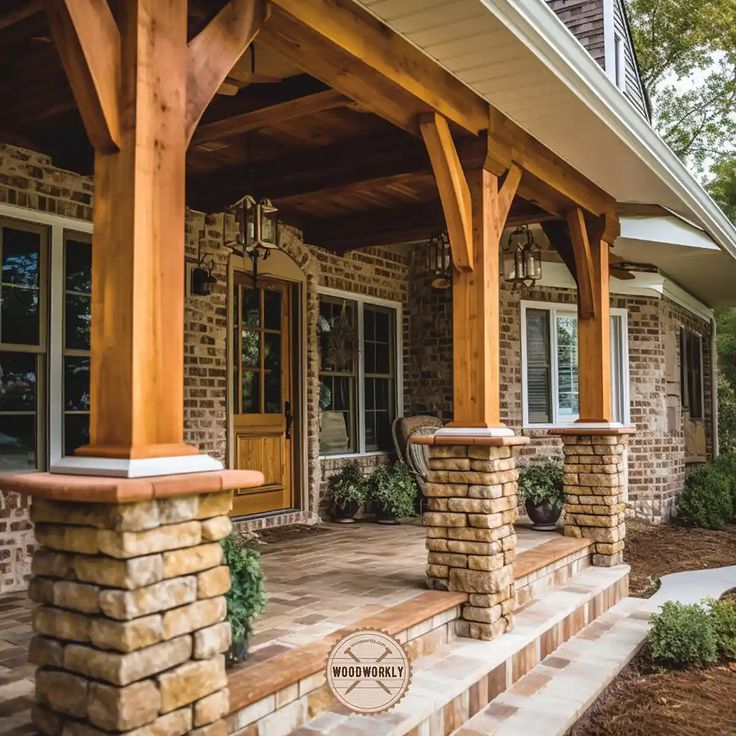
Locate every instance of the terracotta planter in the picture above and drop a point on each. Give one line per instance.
(344, 514)
(544, 517)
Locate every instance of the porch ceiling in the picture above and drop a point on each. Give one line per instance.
(346, 176)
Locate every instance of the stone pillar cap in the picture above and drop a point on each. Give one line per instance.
(106, 489)
(459, 440)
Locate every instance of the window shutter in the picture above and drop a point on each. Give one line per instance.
(539, 369)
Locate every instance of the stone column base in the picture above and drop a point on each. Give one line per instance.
(131, 632)
(471, 539)
(595, 492)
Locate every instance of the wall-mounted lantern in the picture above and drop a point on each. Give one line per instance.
(202, 278)
(440, 260)
(522, 258)
(258, 229)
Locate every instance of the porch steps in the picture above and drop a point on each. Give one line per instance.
(550, 698)
(457, 679)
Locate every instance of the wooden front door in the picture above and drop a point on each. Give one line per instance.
(263, 401)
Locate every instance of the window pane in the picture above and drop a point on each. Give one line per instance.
(21, 257)
(337, 415)
(78, 266)
(272, 390)
(617, 370)
(251, 308)
(76, 384)
(19, 315)
(251, 349)
(538, 369)
(17, 382)
(272, 310)
(338, 336)
(76, 432)
(567, 368)
(17, 442)
(272, 352)
(251, 392)
(77, 321)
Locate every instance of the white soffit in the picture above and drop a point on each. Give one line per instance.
(523, 60)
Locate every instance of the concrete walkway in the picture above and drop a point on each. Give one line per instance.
(694, 586)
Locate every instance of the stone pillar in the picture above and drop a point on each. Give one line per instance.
(131, 632)
(595, 492)
(471, 509)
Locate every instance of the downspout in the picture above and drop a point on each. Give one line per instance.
(714, 386)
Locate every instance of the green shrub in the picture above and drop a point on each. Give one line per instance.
(723, 620)
(707, 500)
(393, 489)
(726, 465)
(348, 486)
(682, 635)
(246, 598)
(543, 483)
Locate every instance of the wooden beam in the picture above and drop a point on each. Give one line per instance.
(213, 52)
(594, 343)
(360, 35)
(299, 107)
(584, 269)
(16, 15)
(88, 41)
(452, 186)
(559, 238)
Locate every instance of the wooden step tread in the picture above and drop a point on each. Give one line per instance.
(547, 553)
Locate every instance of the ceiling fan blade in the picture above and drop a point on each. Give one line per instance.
(622, 274)
(228, 89)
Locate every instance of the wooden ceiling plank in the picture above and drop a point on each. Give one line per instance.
(273, 115)
(15, 15)
(88, 41)
(213, 52)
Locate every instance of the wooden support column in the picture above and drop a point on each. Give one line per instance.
(475, 303)
(141, 90)
(594, 318)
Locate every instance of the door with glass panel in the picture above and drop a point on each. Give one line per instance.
(263, 401)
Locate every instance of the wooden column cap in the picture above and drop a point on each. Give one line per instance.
(101, 489)
(478, 440)
(592, 431)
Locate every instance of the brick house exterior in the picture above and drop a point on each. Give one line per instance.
(657, 456)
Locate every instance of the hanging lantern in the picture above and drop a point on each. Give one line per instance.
(440, 260)
(522, 258)
(257, 229)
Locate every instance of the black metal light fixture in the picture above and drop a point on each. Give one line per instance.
(440, 260)
(257, 229)
(522, 258)
(202, 279)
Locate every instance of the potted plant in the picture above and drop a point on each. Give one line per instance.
(246, 598)
(348, 492)
(541, 489)
(393, 490)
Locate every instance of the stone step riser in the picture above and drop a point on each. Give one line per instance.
(461, 708)
(293, 706)
(534, 585)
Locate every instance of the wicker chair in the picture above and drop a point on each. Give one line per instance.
(416, 457)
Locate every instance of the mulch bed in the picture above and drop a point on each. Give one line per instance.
(654, 551)
(643, 701)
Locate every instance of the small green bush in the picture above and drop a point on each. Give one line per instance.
(543, 483)
(393, 489)
(707, 500)
(723, 619)
(246, 598)
(682, 635)
(726, 465)
(348, 486)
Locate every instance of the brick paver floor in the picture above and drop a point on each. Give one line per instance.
(317, 582)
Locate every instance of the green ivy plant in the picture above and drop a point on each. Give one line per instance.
(348, 486)
(393, 488)
(246, 598)
(543, 483)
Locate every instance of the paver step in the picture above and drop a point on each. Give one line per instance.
(461, 677)
(550, 698)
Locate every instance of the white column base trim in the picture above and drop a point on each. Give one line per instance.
(139, 468)
(474, 432)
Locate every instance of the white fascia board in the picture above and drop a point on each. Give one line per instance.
(537, 26)
(668, 229)
(558, 276)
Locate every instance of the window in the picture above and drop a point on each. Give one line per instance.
(620, 63)
(358, 348)
(691, 373)
(550, 365)
(44, 338)
(23, 288)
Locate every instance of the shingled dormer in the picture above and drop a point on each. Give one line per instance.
(602, 27)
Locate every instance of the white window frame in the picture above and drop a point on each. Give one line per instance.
(555, 309)
(360, 301)
(54, 370)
